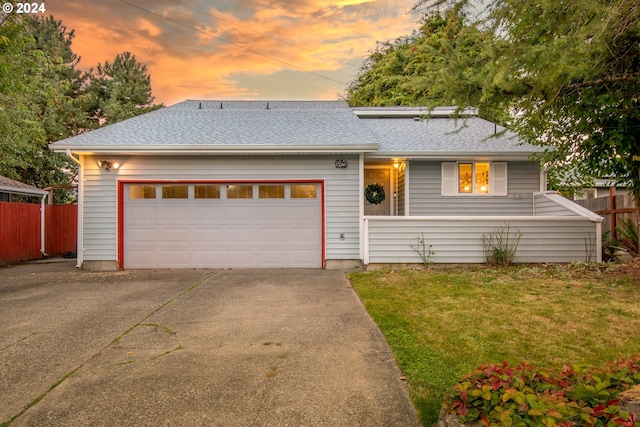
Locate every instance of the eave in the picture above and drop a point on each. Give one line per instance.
(22, 191)
(214, 149)
(455, 155)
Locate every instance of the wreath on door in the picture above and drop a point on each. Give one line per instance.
(374, 193)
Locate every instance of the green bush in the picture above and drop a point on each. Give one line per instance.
(527, 396)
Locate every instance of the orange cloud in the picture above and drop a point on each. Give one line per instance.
(241, 49)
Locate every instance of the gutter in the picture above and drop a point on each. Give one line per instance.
(80, 241)
(454, 155)
(219, 149)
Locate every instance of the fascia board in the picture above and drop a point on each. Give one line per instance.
(22, 191)
(415, 113)
(219, 149)
(454, 155)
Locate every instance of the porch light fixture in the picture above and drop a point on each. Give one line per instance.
(108, 165)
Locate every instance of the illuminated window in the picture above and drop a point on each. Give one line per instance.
(271, 191)
(473, 178)
(207, 191)
(482, 178)
(142, 192)
(239, 191)
(465, 177)
(303, 191)
(175, 192)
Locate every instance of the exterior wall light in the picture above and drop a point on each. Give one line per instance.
(108, 165)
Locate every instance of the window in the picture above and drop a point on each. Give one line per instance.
(142, 192)
(303, 191)
(271, 191)
(207, 191)
(175, 192)
(474, 178)
(239, 191)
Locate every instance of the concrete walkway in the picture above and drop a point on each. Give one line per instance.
(192, 348)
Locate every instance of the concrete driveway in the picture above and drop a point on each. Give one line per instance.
(192, 348)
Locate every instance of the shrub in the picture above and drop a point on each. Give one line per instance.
(629, 240)
(500, 245)
(526, 396)
(423, 250)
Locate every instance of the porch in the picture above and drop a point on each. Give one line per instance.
(557, 230)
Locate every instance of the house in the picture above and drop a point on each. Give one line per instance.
(314, 184)
(9, 188)
(22, 225)
(602, 188)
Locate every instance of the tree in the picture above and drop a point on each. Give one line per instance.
(565, 75)
(121, 89)
(570, 79)
(44, 97)
(428, 68)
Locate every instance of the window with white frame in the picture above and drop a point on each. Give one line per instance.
(481, 178)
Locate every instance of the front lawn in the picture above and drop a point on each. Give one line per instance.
(444, 322)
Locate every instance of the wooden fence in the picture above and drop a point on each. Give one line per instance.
(20, 231)
(613, 209)
(61, 229)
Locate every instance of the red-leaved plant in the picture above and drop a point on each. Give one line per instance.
(528, 396)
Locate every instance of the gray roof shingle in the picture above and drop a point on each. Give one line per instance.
(299, 125)
(8, 185)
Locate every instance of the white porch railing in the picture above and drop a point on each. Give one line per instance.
(557, 233)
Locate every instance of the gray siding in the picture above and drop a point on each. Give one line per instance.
(400, 192)
(552, 204)
(460, 240)
(341, 191)
(425, 192)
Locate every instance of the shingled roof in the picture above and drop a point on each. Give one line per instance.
(8, 185)
(297, 127)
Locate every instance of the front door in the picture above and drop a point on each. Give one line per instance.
(382, 177)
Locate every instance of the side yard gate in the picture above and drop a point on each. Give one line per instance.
(21, 231)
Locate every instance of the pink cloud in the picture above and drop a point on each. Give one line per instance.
(202, 53)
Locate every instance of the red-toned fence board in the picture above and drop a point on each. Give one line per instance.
(61, 229)
(19, 232)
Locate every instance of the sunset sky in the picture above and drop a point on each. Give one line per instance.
(237, 49)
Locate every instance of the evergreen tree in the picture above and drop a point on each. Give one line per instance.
(565, 75)
(44, 97)
(120, 90)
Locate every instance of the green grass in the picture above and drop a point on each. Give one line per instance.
(444, 322)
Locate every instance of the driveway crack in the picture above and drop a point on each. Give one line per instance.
(69, 374)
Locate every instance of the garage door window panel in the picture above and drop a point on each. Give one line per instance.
(175, 191)
(239, 191)
(207, 191)
(303, 191)
(271, 191)
(142, 192)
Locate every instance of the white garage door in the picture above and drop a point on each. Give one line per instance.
(212, 225)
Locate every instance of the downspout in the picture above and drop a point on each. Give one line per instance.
(361, 204)
(42, 221)
(599, 241)
(80, 241)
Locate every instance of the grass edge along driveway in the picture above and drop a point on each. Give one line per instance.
(443, 322)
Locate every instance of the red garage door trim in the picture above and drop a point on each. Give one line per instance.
(122, 183)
